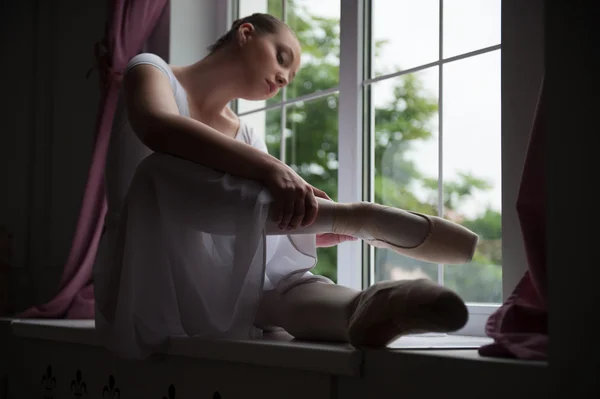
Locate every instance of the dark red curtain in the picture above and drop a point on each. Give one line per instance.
(128, 26)
(520, 326)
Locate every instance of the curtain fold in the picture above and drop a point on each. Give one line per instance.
(128, 26)
(520, 326)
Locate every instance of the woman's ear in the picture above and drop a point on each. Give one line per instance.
(245, 32)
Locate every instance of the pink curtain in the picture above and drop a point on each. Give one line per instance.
(129, 25)
(520, 326)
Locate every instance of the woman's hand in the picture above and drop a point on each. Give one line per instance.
(294, 199)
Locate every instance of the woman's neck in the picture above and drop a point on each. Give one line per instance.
(211, 83)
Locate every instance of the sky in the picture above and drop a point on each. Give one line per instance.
(471, 87)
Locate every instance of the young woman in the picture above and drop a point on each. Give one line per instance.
(208, 235)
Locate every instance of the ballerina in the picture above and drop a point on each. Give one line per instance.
(207, 235)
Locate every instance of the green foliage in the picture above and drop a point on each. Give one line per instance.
(312, 144)
(488, 225)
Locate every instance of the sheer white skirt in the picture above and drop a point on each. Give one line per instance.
(188, 256)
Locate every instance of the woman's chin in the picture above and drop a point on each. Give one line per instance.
(271, 95)
(258, 97)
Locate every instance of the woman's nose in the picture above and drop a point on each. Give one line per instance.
(281, 81)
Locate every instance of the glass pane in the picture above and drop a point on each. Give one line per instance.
(470, 25)
(405, 34)
(406, 159)
(312, 151)
(472, 171)
(268, 125)
(317, 26)
(249, 106)
(248, 7)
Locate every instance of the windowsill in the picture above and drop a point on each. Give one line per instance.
(479, 314)
(282, 351)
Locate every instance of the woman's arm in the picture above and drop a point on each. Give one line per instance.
(154, 117)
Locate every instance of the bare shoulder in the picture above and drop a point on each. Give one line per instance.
(147, 93)
(148, 85)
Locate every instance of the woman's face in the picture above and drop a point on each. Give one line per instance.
(270, 61)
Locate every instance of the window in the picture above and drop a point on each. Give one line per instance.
(397, 102)
(300, 124)
(432, 85)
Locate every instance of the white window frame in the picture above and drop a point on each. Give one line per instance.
(355, 31)
(355, 259)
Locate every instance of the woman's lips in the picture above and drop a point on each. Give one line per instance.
(271, 87)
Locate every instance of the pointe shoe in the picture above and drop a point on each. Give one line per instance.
(390, 309)
(380, 226)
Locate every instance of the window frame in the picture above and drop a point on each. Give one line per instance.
(355, 259)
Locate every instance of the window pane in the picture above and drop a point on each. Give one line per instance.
(249, 7)
(470, 25)
(406, 159)
(472, 171)
(311, 150)
(268, 125)
(249, 106)
(317, 26)
(405, 34)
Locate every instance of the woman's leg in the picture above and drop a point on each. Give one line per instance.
(423, 237)
(350, 219)
(204, 196)
(171, 204)
(373, 317)
(312, 310)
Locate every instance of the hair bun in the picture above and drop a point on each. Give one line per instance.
(263, 24)
(237, 23)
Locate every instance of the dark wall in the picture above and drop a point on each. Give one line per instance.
(48, 120)
(522, 70)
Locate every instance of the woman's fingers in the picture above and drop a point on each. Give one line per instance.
(321, 194)
(299, 210)
(295, 203)
(311, 210)
(288, 212)
(277, 211)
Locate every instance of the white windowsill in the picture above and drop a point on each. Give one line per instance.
(280, 350)
(478, 317)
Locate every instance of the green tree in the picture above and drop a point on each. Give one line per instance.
(312, 145)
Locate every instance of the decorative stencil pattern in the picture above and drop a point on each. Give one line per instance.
(171, 392)
(48, 383)
(78, 387)
(110, 391)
